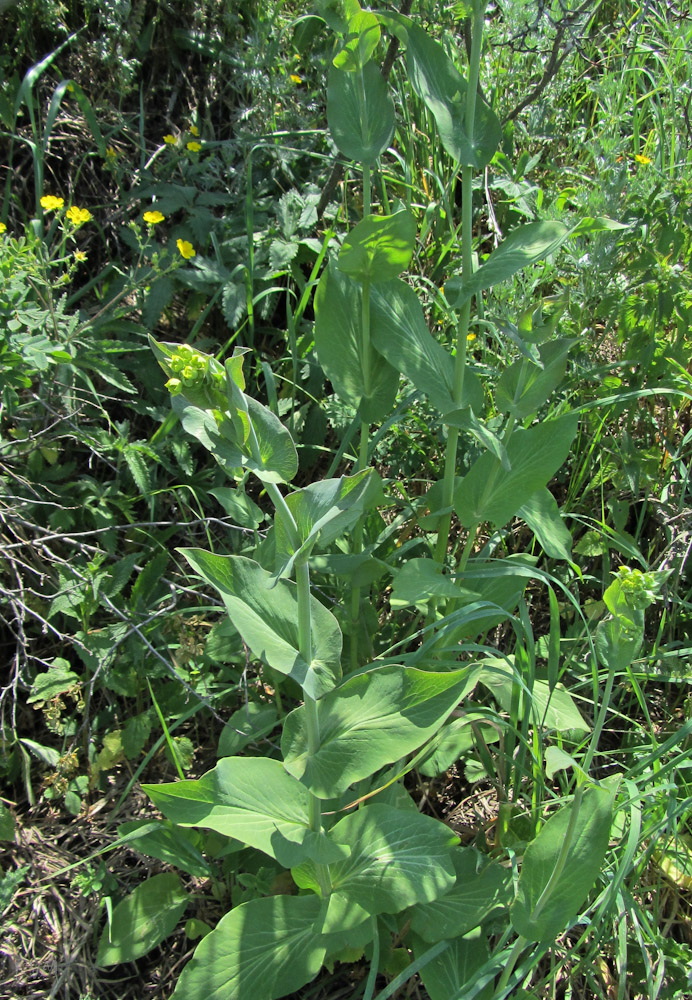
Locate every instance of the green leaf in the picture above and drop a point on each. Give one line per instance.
(618, 642)
(339, 346)
(440, 85)
(420, 579)
(169, 843)
(554, 709)
(399, 333)
(261, 950)
(542, 515)
(454, 741)
(56, 681)
(525, 245)
(480, 888)
(142, 920)
(239, 506)
(446, 975)
(397, 858)
(490, 493)
(363, 38)
(360, 113)
(525, 386)
(466, 420)
(7, 823)
(266, 615)
(249, 724)
(589, 837)
(379, 248)
(252, 799)
(370, 720)
(135, 734)
(323, 512)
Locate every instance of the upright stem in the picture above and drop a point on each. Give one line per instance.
(364, 427)
(467, 270)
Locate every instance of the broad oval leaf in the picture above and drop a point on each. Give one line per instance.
(142, 920)
(525, 245)
(360, 113)
(252, 799)
(440, 85)
(261, 950)
(370, 720)
(525, 386)
(167, 842)
(362, 39)
(341, 352)
(399, 332)
(379, 248)
(480, 888)
(550, 708)
(397, 858)
(266, 615)
(542, 515)
(490, 493)
(323, 512)
(587, 849)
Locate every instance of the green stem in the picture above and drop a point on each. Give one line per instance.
(467, 269)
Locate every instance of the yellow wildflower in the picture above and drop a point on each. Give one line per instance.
(185, 249)
(194, 147)
(111, 154)
(470, 337)
(3, 228)
(169, 139)
(80, 256)
(151, 218)
(51, 204)
(194, 130)
(295, 78)
(640, 158)
(78, 216)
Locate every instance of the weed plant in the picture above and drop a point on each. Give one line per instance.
(413, 532)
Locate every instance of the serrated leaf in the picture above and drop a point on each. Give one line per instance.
(138, 470)
(56, 681)
(135, 734)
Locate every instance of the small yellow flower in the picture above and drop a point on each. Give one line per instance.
(111, 154)
(3, 228)
(78, 216)
(151, 218)
(194, 130)
(51, 204)
(295, 78)
(185, 249)
(80, 256)
(194, 147)
(470, 337)
(640, 158)
(169, 139)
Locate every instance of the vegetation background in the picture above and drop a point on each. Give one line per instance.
(167, 169)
